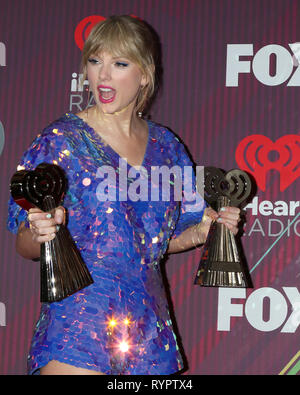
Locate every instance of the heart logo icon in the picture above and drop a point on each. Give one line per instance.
(258, 154)
(33, 188)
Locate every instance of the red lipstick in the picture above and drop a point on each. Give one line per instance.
(107, 94)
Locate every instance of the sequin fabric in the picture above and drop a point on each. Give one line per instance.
(120, 324)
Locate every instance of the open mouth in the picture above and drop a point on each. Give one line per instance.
(106, 94)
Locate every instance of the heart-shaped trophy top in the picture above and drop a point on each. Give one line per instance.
(235, 185)
(32, 188)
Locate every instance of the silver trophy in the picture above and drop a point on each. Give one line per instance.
(62, 269)
(222, 263)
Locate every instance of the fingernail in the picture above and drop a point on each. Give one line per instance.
(223, 209)
(219, 219)
(57, 228)
(48, 216)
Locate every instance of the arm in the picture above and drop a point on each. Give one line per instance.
(53, 145)
(25, 245)
(41, 229)
(185, 241)
(196, 235)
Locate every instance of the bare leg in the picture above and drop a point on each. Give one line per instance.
(59, 368)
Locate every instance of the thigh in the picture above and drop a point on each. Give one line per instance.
(59, 368)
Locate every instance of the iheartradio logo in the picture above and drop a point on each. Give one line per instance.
(85, 26)
(257, 154)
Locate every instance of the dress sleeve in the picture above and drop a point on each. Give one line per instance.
(50, 146)
(192, 204)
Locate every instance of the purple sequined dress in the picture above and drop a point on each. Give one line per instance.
(121, 323)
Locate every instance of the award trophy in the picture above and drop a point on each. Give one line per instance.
(221, 264)
(62, 270)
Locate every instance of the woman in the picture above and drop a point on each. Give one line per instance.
(121, 323)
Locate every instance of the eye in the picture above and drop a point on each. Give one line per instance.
(93, 61)
(121, 64)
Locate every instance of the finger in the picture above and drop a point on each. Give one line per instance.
(43, 238)
(35, 210)
(209, 212)
(229, 217)
(43, 223)
(59, 215)
(228, 222)
(44, 230)
(35, 216)
(231, 210)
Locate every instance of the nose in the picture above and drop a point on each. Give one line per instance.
(104, 72)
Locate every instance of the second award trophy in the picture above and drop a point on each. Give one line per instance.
(222, 263)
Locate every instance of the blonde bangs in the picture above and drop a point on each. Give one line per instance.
(118, 43)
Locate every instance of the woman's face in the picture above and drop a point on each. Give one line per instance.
(114, 81)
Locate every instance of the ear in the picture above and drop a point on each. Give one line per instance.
(144, 80)
(145, 77)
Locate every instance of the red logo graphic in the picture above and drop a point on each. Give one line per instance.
(258, 154)
(85, 26)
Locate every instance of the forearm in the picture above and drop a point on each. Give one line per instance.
(25, 245)
(43, 227)
(190, 238)
(197, 234)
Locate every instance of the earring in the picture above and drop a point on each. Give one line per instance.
(140, 114)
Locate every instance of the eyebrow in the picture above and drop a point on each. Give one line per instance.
(114, 57)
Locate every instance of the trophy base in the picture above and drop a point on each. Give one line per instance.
(217, 278)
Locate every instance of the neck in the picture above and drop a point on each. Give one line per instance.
(124, 121)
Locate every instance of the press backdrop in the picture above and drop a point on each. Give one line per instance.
(231, 91)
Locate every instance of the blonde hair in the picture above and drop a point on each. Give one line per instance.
(128, 37)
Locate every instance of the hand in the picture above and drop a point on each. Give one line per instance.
(229, 216)
(44, 225)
